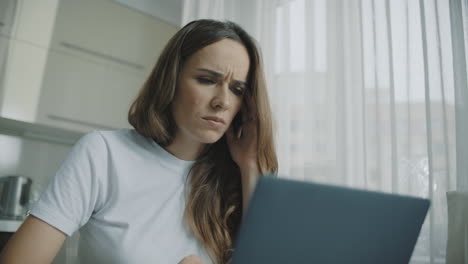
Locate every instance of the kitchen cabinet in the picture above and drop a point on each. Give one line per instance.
(7, 15)
(25, 40)
(21, 78)
(86, 68)
(82, 94)
(34, 21)
(110, 31)
(97, 65)
(28, 20)
(4, 237)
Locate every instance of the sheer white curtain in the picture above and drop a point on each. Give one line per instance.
(364, 94)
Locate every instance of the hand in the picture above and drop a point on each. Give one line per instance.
(243, 148)
(243, 143)
(192, 259)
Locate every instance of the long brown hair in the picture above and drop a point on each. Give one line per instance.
(214, 202)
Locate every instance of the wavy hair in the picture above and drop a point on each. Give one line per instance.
(214, 201)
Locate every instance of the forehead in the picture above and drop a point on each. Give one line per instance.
(225, 56)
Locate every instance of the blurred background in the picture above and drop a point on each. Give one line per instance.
(370, 94)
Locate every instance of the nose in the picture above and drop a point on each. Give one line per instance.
(221, 100)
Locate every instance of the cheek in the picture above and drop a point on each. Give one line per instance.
(187, 103)
(191, 105)
(192, 94)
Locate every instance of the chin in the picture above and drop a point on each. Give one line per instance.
(210, 137)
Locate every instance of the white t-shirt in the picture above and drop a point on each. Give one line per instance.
(125, 194)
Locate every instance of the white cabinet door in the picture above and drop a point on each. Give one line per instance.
(83, 94)
(78, 64)
(7, 15)
(25, 33)
(111, 31)
(21, 79)
(34, 21)
(101, 54)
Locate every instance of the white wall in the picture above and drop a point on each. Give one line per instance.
(38, 160)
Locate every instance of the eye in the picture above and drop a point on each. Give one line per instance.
(238, 90)
(205, 80)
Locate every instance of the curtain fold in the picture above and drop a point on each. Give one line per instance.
(363, 93)
(459, 37)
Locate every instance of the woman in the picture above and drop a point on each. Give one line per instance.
(174, 188)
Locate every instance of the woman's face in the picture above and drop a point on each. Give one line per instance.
(209, 91)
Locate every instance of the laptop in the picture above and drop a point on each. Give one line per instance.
(300, 222)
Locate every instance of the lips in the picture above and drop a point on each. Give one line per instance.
(215, 119)
(214, 122)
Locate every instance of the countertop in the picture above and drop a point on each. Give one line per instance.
(7, 225)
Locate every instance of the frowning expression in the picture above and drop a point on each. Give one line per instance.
(210, 91)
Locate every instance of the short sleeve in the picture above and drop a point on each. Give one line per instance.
(73, 194)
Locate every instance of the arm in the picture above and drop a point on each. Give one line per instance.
(34, 242)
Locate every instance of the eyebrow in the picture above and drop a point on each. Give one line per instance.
(220, 75)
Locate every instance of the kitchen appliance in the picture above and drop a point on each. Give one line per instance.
(14, 196)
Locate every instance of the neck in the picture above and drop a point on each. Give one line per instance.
(185, 149)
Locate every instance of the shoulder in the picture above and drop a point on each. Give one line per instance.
(107, 137)
(99, 142)
(122, 138)
(89, 147)
(117, 143)
(90, 138)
